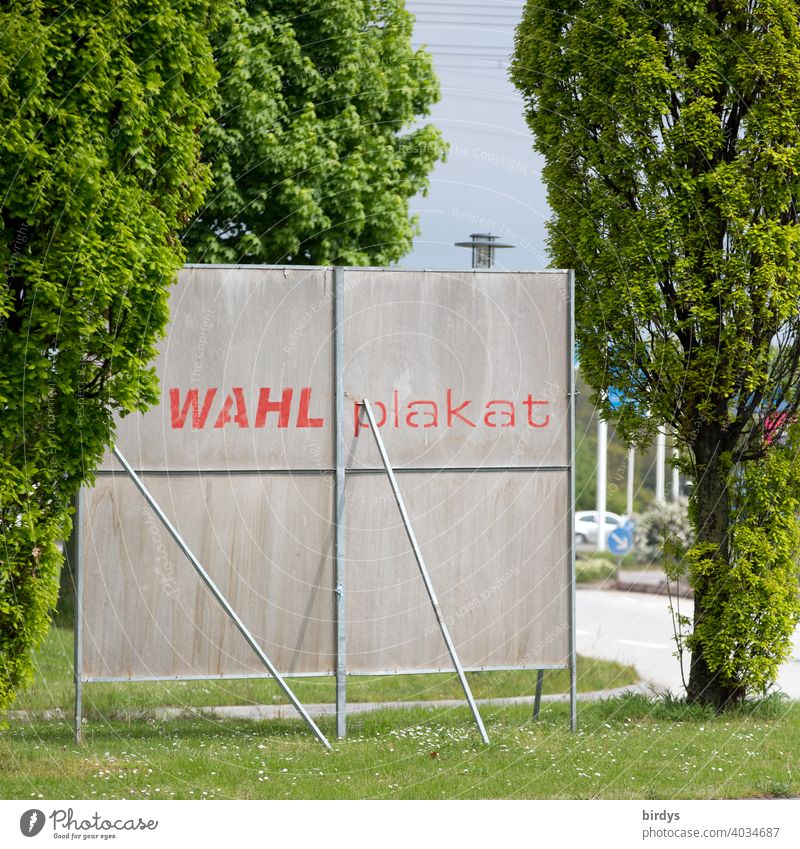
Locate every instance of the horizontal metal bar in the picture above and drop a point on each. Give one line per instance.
(254, 676)
(258, 676)
(331, 472)
(458, 469)
(259, 267)
(471, 271)
(216, 472)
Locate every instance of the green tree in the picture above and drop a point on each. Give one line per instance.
(313, 158)
(671, 138)
(100, 107)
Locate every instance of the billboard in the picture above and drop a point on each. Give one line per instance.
(262, 373)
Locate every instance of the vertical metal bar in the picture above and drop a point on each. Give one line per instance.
(74, 561)
(537, 699)
(573, 683)
(601, 478)
(340, 553)
(234, 617)
(424, 572)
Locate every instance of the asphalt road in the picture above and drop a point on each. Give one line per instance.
(637, 628)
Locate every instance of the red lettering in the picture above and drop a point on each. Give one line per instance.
(363, 424)
(241, 410)
(192, 402)
(433, 412)
(529, 403)
(282, 407)
(455, 412)
(492, 414)
(302, 414)
(413, 414)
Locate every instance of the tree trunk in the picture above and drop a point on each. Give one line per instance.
(713, 517)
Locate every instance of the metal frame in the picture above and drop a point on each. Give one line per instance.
(573, 683)
(537, 699)
(340, 473)
(339, 507)
(74, 548)
(331, 472)
(423, 571)
(244, 676)
(277, 266)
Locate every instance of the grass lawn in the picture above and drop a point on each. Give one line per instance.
(592, 570)
(628, 747)
(593, 567)
(53, 687)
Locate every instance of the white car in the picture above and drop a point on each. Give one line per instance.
(586, 526)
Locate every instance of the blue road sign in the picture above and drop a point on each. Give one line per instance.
(616, 397)
(620, 541)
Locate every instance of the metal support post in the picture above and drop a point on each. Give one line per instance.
(73, 549)
(424, 572)
(234, 617)
(573, 679)
(340, 532)
(537, 699)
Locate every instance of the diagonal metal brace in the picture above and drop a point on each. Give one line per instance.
(232, 614)
(424, 572)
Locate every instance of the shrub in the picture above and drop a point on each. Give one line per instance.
(664, 532)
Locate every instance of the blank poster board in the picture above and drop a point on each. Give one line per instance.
(469, 377)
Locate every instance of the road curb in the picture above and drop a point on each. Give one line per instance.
(286, 711)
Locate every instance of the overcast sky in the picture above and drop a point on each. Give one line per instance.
(491, 181)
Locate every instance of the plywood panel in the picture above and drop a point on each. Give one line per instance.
(233, 334)
(266, 542)
(496, 547)
(464, 369)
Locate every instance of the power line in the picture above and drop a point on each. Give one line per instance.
(462, 15)
(466, 26)
(466, 46)
(504, 57)
(433, 13)
(504, 8)
(486, 68)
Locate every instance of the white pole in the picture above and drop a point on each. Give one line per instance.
(631, 463)
(602, 443)
(676, 477)
(661, 459)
